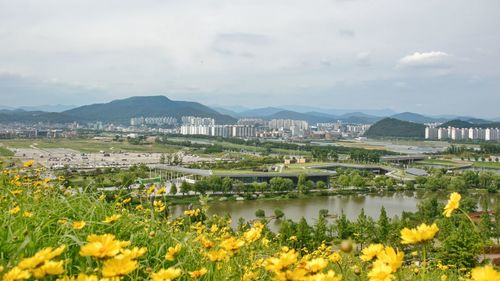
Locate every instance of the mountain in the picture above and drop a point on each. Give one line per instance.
(7, 116)
(416, 118)
(391, 127)
(358, 118)
(457, 123)
(48, 108)
(120, 111)
(260, 112)
(288, 114)
(225, 111)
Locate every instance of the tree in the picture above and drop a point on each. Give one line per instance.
(344, 228)
(460, 247)
(185, 187)
(364, 228)
(320, 185)
(260, 213)
(320, 231)
(383, 226)
(343, 181)
(358, 181)
(301, 183)
(162, 158)
(278, 213)
(303, 234)
(227, 184)
(173, 189)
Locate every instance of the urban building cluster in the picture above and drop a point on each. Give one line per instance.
(160, 121)
(226, 131)
(436, 133)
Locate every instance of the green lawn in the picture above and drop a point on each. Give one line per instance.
(487, 165)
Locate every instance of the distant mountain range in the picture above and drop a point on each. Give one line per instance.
(120, 112)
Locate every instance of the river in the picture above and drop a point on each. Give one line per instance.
(394, 202)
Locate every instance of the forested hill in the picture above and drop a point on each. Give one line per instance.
(391, 127)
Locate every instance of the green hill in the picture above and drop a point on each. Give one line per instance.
(120, 111)
(457, 123)
(391, 127)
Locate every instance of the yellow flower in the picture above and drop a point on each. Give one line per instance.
(62, 221)
(292, 238)
(29, 163)
(335, 257)
(166, 274)
(118, 267)
(444, 277)
(253, 233)
(485, 273)
(127, 200)
(158, 206)
(391, 257)
(265, 242)
(61, 178)
(371, 251)
(329, 276)
(85, 277)
(420, 234)
(216, 256)
(205, 241)
(27, 214)
(452, 204)
(231, 244)
(112, 218)
(16, 273)
(40, 257)
(15, 210)
(316, 265)
(198, 273)
(192, 213)
(133, 253)
(172, 252)
(78, 224)
(249, 276)
(49, 268)
(277, 264)
(380, 272)
(102, 246)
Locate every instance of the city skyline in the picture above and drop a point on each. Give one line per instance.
(416, 56)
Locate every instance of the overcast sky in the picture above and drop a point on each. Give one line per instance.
(433, 57)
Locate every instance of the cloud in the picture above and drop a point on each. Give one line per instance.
(426, 59)
(363, 59)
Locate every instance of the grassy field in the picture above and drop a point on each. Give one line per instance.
(487, 165)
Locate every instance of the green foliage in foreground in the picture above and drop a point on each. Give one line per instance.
(38, 214)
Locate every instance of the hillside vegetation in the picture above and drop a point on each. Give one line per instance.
(391, 127)
(50, 231)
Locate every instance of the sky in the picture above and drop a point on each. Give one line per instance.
(432, 57)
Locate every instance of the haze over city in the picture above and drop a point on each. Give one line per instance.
(431, 57)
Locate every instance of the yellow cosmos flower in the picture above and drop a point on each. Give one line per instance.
(380, 272)
(172, 252)
(232, 244)
(192, 213)
(78, 225)
(159, 206)
(329, 276)
(40, 257)
(127, 200)
(85, 277)
(49, 268)
(14, 210)
(335, 257)
(166, 274)
(284, 261)
(27, 214)
(112, 219)
(254, 233)
(118, 267)
(16, 273)
(198, 273)
(420, 234)
(265, 242)
(61, 178)
(444, 277)
(316, 265)
(133, 253)
(452, 204)
(102, 246)
(216, 256)
(29, 163)
(371, 251)
(485, 273)
(392, 258)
